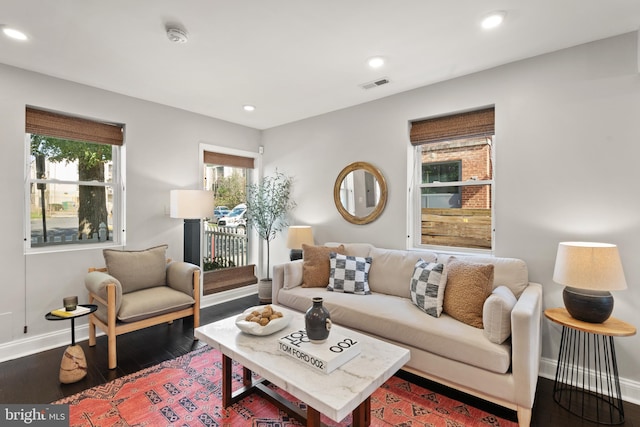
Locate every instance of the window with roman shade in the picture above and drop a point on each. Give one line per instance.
(453, 201)
(73, 185)
(226, 257)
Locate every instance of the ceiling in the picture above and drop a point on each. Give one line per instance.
(291, 59)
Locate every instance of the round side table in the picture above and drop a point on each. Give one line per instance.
(74, 364)
(587, 382)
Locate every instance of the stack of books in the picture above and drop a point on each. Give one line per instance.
(337, 350)
(61, 312)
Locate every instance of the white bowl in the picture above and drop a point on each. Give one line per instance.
(254, 328)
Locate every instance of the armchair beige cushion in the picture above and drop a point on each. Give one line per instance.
(138, 269)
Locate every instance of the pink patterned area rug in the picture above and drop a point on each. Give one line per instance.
(186, 392)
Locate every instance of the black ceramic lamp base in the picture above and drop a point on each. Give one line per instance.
(587, 305)
(295, 254)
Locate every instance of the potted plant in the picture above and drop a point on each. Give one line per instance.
(268, 203)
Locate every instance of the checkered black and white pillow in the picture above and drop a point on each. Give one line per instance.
(349, 274)
(427, 287)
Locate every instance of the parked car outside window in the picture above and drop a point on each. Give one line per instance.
(220, 211)
(235, 218)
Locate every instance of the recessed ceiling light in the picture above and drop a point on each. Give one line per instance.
(249, 107)
(493, 20)
(14, 34)
(376, 62)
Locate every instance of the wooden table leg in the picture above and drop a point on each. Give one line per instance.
(313, 417)
(362, 414)
(246, 376)
(227, 368)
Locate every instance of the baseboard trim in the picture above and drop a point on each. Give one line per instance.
(630, 389)
(225, 296)
(38, 343)
(42, 342)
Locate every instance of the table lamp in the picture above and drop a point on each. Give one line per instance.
(589, 271)
(296, 236)
(192, 206)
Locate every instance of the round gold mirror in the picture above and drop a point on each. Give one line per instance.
(360, 193)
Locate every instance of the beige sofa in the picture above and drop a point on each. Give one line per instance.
(443, 349)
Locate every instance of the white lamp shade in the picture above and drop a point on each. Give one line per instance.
(191, 204)
(299, 234)
(588, 265)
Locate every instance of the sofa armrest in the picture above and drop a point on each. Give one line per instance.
(526, 343)
(180, 276)
(97, 283)
(277, 281)
(289, 275)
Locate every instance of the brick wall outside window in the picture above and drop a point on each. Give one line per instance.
(475, 155)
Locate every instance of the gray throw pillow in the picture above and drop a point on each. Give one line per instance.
(427, 287)
(349, 274)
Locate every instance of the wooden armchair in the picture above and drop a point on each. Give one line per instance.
(138, 289)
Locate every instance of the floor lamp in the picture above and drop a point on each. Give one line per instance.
(192, 206)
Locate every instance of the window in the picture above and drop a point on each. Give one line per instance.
(74, 190)
(226, 256)
(454, 171)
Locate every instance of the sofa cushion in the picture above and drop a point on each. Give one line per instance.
(468, 286)
(315, 268)
(354, 249)
(496, 314)
(392, 269)
(427, 287)
(384, 316)
(509, 272)
(136, 270)
(349, 274)
(152, 302)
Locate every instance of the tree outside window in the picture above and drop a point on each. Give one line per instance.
(72, 185)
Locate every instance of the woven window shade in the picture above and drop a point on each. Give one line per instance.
(56, 125)
(457, 126)
(212, 158)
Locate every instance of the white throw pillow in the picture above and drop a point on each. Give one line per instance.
(427, 287)
(496, 314)
(349, 274)
(292, 274)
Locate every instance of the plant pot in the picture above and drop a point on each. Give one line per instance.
(264, 291)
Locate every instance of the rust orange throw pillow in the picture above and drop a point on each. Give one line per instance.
(468, 286)
(315, 267)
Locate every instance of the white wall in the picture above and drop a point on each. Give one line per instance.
(567, 147)
(162, 146)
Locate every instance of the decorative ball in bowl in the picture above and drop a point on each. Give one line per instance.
(262, 320)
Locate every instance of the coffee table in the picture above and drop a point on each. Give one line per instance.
(346, 390)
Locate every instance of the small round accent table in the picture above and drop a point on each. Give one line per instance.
(74, 364)
(587, 382)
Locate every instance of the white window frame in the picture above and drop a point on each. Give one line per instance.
(414, 184)
(117, 183)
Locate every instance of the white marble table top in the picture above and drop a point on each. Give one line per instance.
(334, 395)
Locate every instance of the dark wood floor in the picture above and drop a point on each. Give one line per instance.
(34, 379)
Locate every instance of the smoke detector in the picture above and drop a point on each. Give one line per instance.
(177, 35)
